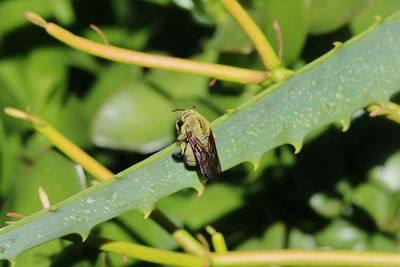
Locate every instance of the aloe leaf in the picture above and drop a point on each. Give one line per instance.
(363, 71)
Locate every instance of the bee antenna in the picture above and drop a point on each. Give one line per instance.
(178, 109)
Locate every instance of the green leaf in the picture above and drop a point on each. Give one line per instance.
(63, 10)
(341, 234)
(125, 121)
(206, 207)
(353, 75)
(44, 74)
(388, 175)
(380, 242)
(329, 15)
(379, 209)
(13, 86)
(325, 206)
(292, 17)
(179, 85)
(273, 238)
(300, 240)
(9, 147)
(381, 8)
(10, 12)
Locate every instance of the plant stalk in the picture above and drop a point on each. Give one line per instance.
(307, 258)
(215, 71)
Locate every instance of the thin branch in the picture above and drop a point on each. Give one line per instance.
(307, 258)
(141, 252)
(100, 33)
(217, 71)
(279, 38)
(62, 143)
(391, 111)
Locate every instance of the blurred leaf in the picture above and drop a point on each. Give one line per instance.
(44, 74)
(14, 89)
(300, 240)
(121, 37)
(179, 85)
(212, 205)
(73, 114)
(37, 145)
(229, 37)
(10, 13)
(9, 147)
(133, 226)
(374, 8)
(341, 234)
(209, 11)
(388, 175)
(292, 17)
(325, 206)
(380, 242)
(159, 2)
(374, 201)
(56, 174)
(40, 256)
(84, 62)
(126, 122)
(329, 15)
(62, 10)
(273, 238)
(108, 82)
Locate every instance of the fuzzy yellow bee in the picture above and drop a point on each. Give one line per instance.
(198, 144)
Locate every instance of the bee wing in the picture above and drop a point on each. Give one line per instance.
(206, 157)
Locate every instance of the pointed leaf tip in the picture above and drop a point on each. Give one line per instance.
(84, 235)
(337, 45)
(345, 125)
(16, 113)
(199, 189)
(147, 212)
(297, 146)
(256, 163)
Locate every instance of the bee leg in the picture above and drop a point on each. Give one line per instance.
(181, 137)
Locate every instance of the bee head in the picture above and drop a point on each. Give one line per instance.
(185, 114)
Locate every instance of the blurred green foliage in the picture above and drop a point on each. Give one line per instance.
(342, 191)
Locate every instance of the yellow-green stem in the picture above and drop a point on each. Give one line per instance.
(217, 71)
(218, 240)
(63, 144)
(143, 252)
(391, 111)
(261, 43)
(307, 258)
(188, 242)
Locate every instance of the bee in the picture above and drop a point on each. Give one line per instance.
(198, 144)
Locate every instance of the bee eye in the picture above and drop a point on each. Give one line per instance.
(179, 124)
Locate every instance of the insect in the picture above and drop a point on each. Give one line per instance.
(198, 144)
